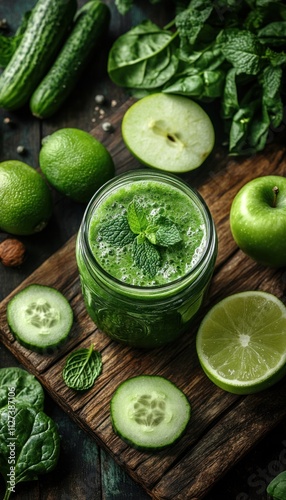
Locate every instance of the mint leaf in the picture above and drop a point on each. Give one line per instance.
(116, 231)
(165, 233)
(168, 235)
(146, 256)
(242, 49)
(136, 217)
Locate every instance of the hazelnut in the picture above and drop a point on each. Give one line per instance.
(12, 252)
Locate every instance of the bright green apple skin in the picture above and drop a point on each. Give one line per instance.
(258, 223)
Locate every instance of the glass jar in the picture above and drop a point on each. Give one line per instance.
(153, 315)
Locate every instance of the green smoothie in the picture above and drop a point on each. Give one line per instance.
(163, 207)
(146, 250)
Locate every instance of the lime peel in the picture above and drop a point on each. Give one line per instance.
(241, 342)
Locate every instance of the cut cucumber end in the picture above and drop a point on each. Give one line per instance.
(40, 318)
(149, 412)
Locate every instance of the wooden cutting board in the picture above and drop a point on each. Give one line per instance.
(223, 426)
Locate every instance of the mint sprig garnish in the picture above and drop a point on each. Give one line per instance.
(146, 256)
(147, 233)
(116, 232)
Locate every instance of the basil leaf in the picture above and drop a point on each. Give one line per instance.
(20, 387)
(81, 369)
(146, 256)
(35, 442)
(116, 231)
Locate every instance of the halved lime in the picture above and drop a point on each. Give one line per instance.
(241, 342)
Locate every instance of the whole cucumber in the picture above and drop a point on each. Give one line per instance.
(46, 29)
(91, 22)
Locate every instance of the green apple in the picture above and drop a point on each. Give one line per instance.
(258, 220)
(168, 132)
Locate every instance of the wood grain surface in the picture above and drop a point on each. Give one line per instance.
(223, 427)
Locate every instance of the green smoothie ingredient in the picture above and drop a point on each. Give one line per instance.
(28, 390)
(149, 412)
(277, 487)
(241, 342)
(151, 231)
(75, 163)
(147, 234)
(26, 201)
(30, 442)
(227, 51)
(81, 369)
(40, 318)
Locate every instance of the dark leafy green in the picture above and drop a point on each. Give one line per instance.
(226, 50)
(17, 386)
(32, 449)
(81, 369)
(29, 440)
(144, 57)
(277, 487)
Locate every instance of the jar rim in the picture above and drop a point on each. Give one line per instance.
(143, 174)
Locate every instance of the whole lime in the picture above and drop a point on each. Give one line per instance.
(26, 201)
(75, 163)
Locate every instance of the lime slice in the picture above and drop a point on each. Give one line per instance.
(241, 342)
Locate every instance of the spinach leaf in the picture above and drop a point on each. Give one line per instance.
(17, 386)
(29, 447)
(144, 57)
(207, 84)
(81, 369)
(277, 487)
(219, 50)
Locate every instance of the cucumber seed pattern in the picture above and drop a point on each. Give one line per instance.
(42, 315)
(149, 410)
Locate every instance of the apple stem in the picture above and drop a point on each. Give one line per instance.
(275, 191)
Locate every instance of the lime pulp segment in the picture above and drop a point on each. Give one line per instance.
(241, 342)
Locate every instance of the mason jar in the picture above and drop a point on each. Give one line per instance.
(123, 300)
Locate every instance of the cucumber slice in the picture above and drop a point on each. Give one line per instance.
(40, 318)
(149, 412)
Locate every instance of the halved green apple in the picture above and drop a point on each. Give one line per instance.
(168, 132)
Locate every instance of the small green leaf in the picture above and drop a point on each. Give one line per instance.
(20, 386)
(146, 256)
(136, 217)
(116, 231)
(277, 487)
(36, 441)
(81, 369)
(168, 235)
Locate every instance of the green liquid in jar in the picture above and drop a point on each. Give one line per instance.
(157, 199)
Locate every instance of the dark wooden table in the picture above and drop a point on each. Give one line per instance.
(84, 470)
